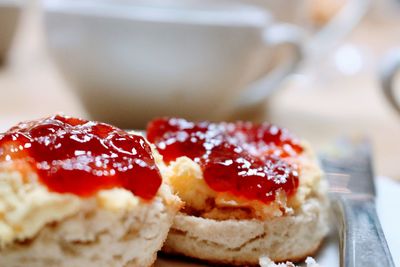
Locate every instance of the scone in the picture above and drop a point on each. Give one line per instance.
(77, 193)
(248, 189)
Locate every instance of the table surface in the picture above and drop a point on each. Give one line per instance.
(318, 104)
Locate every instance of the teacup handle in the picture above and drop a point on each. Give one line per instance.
(275, 36)
(390, 67)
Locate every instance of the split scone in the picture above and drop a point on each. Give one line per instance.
(249, 190)
(79, 193)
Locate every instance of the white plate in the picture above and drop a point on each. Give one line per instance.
(387, 201)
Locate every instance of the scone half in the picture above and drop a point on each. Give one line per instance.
(70, 215)
(226, 227)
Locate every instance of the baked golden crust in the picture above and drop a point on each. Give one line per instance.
(243, 242)
(174, 255)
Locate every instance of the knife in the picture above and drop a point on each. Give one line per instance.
(352, 191)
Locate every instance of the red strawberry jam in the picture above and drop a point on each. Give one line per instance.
(82, 157)
(245, 159)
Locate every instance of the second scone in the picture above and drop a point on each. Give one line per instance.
(250, 190)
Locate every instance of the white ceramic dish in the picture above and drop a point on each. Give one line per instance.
(388, 198)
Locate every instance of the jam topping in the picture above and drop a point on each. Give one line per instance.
(82, 157)
(245, 159)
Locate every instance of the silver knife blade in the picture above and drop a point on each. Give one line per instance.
(349, 171)
(349, 167)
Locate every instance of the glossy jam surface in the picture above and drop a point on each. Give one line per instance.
(245, 159)
(82, 157)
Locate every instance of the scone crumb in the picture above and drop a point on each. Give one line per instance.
(266, 262)
(311, 262)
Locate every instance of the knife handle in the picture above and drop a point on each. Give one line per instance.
(362, 242)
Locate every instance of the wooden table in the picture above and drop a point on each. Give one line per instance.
(319, 104)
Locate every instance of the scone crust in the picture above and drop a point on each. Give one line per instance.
(242, 242)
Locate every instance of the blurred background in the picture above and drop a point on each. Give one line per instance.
(312, 66)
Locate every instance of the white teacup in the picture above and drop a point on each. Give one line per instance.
(134, 60)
